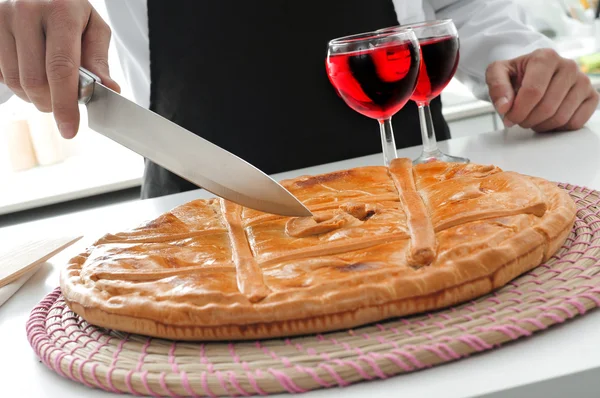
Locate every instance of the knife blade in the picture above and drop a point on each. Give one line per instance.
(182, 152)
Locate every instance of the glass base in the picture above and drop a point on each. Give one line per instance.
(439, 156)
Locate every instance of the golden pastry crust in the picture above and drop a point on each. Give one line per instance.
(382, 243)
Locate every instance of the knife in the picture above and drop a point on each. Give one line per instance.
(182, 152)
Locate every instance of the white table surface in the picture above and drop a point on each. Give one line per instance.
(562, 361)
(77, 177)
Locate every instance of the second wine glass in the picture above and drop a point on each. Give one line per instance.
(440, 54)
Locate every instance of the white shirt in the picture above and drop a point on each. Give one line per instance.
(489, 30)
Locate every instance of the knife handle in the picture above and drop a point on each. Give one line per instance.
(86, 85)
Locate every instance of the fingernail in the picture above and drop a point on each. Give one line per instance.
(67, 130)
(501, 102)
(507, 123)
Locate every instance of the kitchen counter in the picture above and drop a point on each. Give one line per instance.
(561, 361)
(77, 177)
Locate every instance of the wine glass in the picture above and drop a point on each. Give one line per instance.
(439, 59)
(375, 74)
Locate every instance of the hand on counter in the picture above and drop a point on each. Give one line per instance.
(541, 91)
(42, 44)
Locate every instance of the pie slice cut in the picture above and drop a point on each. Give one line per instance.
(382, 242)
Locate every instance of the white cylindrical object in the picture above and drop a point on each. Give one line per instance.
(596, 25)
(45, 137)
(21, 155)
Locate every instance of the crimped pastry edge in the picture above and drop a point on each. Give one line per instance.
(331, 322)
(548, 234)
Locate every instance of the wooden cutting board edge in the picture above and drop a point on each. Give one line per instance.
(15, 272)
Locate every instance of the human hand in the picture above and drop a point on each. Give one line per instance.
(542, 91)
(42, 45)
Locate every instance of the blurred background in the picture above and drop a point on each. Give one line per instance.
(43, 175)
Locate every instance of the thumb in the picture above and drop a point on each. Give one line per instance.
(498, 79)
(94, 50)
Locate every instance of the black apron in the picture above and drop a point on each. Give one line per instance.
(250, 77)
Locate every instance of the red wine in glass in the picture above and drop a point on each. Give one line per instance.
(439, 60)
(377, 82)
(375, 74)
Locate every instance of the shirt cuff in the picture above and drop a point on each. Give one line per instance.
(510, 51)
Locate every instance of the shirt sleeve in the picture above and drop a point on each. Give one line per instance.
(489, 30)
(5, 93)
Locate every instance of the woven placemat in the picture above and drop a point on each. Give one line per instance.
(566, 286)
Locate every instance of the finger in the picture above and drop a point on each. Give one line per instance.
(63, 54)
(575, 97)
(558, 89)
(94, 50)
(31, 54)
(498, 79)
(584, 113)
(539, 70)
(9, 65)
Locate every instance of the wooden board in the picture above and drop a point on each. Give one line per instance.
(17, 260)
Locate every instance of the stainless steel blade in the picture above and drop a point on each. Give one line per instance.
(185, 154)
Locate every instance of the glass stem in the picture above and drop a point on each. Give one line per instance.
(387, 141)
(427, 130)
